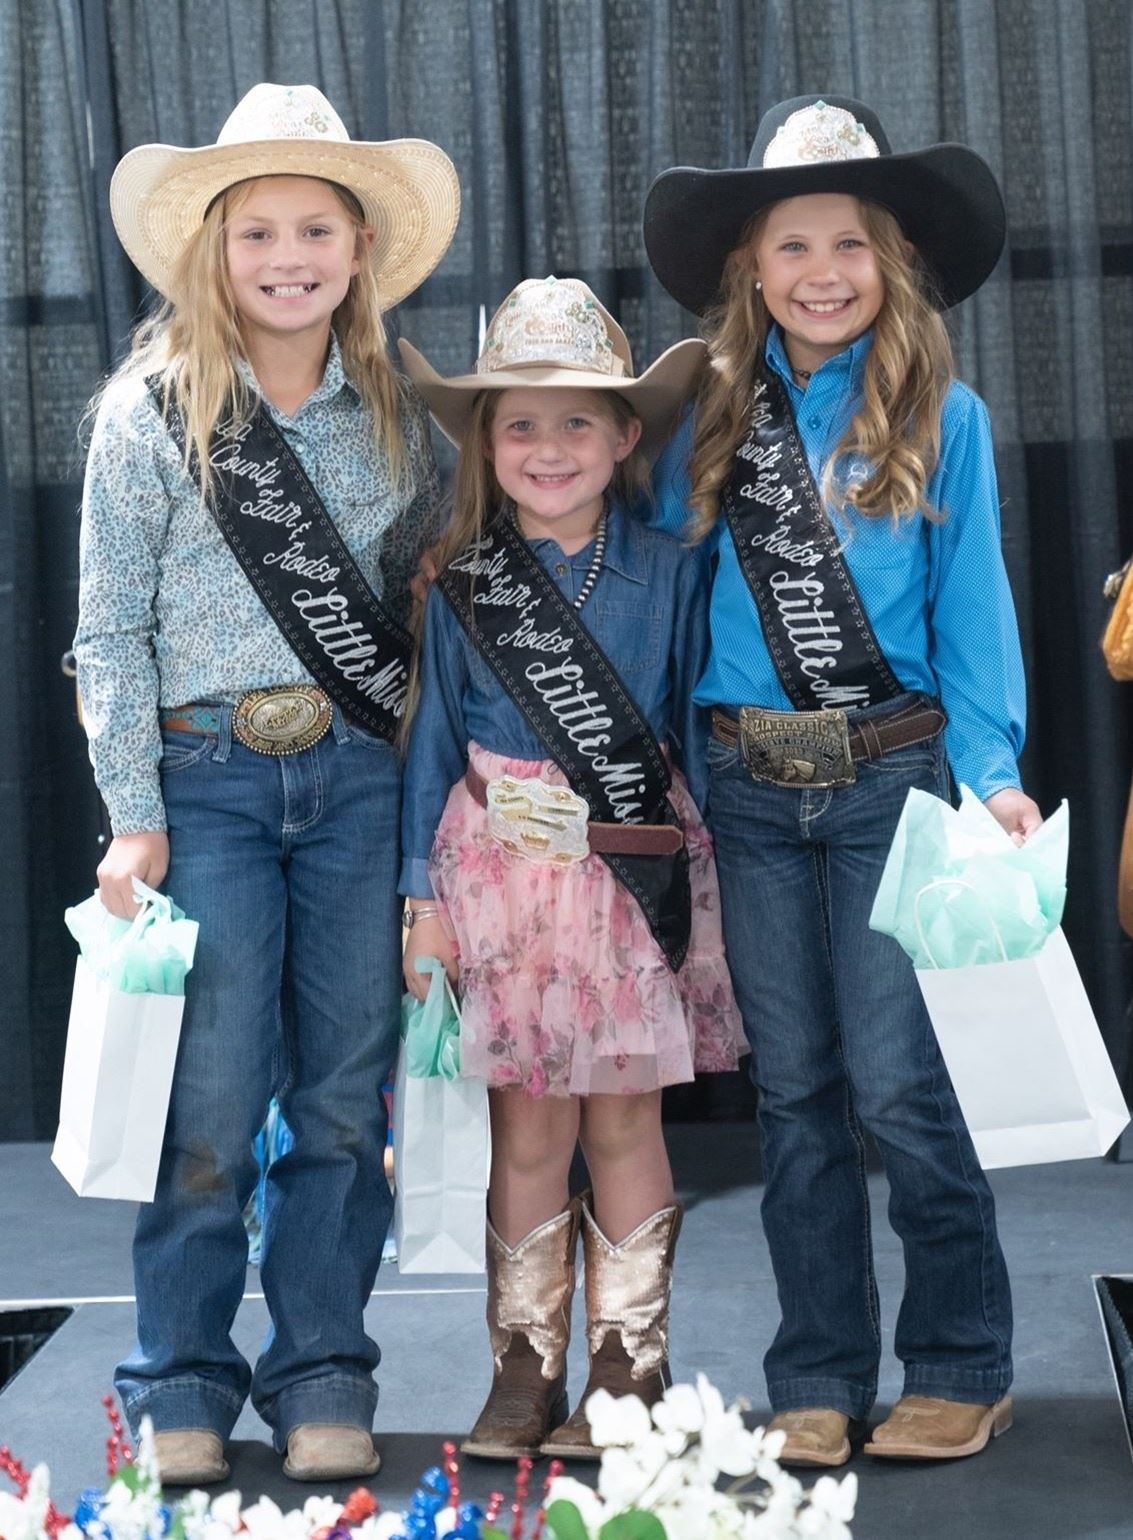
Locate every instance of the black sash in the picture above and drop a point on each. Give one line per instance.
(818, 634)
(571, 695)
(281, 534)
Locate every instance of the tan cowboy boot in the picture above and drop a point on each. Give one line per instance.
(190, 1457)
(816, 1435)
(932, 1428)
(627, 1320)
(529, 1294)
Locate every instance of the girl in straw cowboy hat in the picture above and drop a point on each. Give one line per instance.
(259, 486)
(864, 642)
(552, 854)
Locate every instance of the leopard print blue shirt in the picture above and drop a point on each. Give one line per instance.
(166, 613)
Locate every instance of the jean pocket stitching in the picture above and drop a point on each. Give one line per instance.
(178, 758)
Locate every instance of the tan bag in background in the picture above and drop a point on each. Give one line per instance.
(1117, 639)
(1125, 872)
(1117, 648)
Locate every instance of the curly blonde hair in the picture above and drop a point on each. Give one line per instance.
(193, 340)
(907, 374)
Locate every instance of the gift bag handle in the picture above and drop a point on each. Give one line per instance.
(954, 882)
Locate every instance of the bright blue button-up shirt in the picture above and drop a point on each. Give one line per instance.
(936, 593)
(648, 613)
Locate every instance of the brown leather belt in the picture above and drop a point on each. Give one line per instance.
(606, 839)
(870, 738)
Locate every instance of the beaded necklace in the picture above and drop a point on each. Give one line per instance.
(594, 571)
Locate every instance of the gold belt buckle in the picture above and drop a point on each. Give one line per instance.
(537, 821)
(797, 748)
(282, 721)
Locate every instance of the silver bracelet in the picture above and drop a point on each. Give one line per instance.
(428, 913)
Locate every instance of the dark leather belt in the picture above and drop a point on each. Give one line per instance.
(606, 839)
(771, 746)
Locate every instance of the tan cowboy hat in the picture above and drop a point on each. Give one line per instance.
(408, 188)
(553, 331)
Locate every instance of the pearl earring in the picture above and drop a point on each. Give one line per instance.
(759, 283)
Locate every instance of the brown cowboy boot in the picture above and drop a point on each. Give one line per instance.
(627, 1320)
(529, 1294)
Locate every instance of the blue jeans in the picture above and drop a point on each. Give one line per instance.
(840, 1040)
(290, 865)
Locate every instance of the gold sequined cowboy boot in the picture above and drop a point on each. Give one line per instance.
(529, 1295)
(627, 1320)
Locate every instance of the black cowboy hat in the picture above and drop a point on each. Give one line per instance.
(945, 197)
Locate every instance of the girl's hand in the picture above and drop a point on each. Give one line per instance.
(1015, 811)
(145, 856)
(428, 938)
(425, 575)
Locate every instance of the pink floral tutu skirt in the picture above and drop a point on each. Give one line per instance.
(563, 989)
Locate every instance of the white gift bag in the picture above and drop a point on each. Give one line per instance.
(1031, 1071)
(117, 1074)
(441, 1152)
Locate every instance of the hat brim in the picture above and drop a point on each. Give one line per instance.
(656, 396)
(408, 189)
(945, 198)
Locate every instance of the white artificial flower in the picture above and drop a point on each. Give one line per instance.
(321, 1512)
(836, 1498)
(591, 1509)
(384, 1526)
(17, 1522)
(678, 1416)
(225, 1509)
(617, 1421)
(264, 1520)
(627, 1474)
(145, 1459)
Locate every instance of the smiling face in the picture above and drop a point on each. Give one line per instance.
(554, 451)
(820, 275)
(292, 248)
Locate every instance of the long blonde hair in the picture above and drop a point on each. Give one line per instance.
(478, 501)
(193, 340)
(907, 374)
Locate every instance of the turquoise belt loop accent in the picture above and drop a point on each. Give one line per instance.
(196, 719)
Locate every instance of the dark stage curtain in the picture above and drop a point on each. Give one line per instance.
(558, 113)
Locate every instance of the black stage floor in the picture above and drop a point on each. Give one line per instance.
(1064, 1471)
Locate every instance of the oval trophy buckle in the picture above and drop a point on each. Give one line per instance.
(281, 721)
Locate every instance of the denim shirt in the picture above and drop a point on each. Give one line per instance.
(648, 613)
(936, 592)
(168, 616)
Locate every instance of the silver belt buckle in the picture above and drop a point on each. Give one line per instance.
(537, 821)
(286, 720)
(797, 748)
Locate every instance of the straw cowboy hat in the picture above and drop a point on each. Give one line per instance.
(553, 331)
(408, 188)
(945, 197)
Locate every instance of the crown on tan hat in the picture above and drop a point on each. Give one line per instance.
(408, 188)
(555, 332)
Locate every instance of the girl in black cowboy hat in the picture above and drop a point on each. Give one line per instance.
(864, 642)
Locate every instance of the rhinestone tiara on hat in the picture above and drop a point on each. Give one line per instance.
(552, 321)
(819, 133)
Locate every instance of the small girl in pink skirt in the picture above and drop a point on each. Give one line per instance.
(555, 860)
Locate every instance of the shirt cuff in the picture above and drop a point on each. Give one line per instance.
(985, 780)
(414, 881)
(136, 814)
